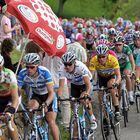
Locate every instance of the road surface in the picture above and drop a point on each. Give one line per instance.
(132, 131)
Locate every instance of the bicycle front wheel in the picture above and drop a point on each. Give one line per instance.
(138, 103)
(29, 134)
(75, 129)
(105, 124)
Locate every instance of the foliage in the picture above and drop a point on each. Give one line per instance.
(111, 9)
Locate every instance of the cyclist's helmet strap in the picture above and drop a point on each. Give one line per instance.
(32, 59)
(68, 57)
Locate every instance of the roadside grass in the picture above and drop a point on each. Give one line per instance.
(128, 9)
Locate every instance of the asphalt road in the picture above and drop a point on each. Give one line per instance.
(132, 131)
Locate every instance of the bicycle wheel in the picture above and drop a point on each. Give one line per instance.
(18, 119)
(105, 124)
(75, 129)
(138, 103)
(125, 107)
(29, 133)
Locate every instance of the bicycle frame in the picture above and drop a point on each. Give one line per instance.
(37, 131)
(107, 112)
(124, 100)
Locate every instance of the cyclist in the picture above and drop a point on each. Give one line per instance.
(79, 77)
(108, 72)
(9, 98)
(126, 62)
(39, 79)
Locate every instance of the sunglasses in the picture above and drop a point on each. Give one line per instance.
(118, 44)
(30, 67)
(67, 64)
(103, 56)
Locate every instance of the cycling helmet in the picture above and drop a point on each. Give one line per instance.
(103, 36)
(79, 25)
(136, 35)
(1, 60)
(129, 38)
(119, 39)
(120, 20)
(112, 31)
(68, 57)
(89, 31)
(103, 41)
(102, 49)
(88, 23)
(32, 59)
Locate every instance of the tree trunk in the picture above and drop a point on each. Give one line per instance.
(61, 6)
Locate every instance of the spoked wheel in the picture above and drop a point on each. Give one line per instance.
(29, 133)
(105, 124)
(138, 103)
(125, 107)
(74, 130)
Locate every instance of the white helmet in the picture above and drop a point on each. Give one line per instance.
(68, 57)
(32, 59)
(102, 49)
(1, 60)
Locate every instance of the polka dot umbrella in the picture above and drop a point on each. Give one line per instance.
(40, 23)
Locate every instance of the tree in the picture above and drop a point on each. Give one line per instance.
(61, 6)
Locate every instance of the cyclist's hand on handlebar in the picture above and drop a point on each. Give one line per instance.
(133, 74)
(114, 85)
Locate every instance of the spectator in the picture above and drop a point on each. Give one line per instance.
(5, 25)
(7, 47)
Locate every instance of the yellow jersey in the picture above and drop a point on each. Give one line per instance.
(104, 70)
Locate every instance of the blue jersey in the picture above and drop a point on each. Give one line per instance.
(39, 83)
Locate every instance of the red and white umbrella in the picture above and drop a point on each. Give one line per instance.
(40, 23)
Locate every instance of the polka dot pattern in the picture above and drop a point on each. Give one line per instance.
(49, 16)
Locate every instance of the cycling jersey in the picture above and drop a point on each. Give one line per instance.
(135, 51)
(123, 56)
(8, 82)
(38, 84)
(138, 60)
(76, 77)
(104, 70)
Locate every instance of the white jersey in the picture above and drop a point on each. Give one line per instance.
(76, 77)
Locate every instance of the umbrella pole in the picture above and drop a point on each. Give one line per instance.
(22, 54)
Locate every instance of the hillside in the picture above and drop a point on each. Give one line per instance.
(128, 9)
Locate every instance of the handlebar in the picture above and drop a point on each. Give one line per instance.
(73, 99)
(8, 121)
(103, 89)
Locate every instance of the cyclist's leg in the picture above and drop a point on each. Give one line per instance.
(126, 72)
(115, 97)
(51, 119)
(66, 111)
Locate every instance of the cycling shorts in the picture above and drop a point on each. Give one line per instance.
(104, 80)
(76, 90)
(4, 102)
(42, 98)
(127, 66)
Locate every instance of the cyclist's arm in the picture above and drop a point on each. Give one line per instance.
(61, 86)
(50, 93)
(88, 84)
(118, 75)
(131, 58)
(14, 96)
